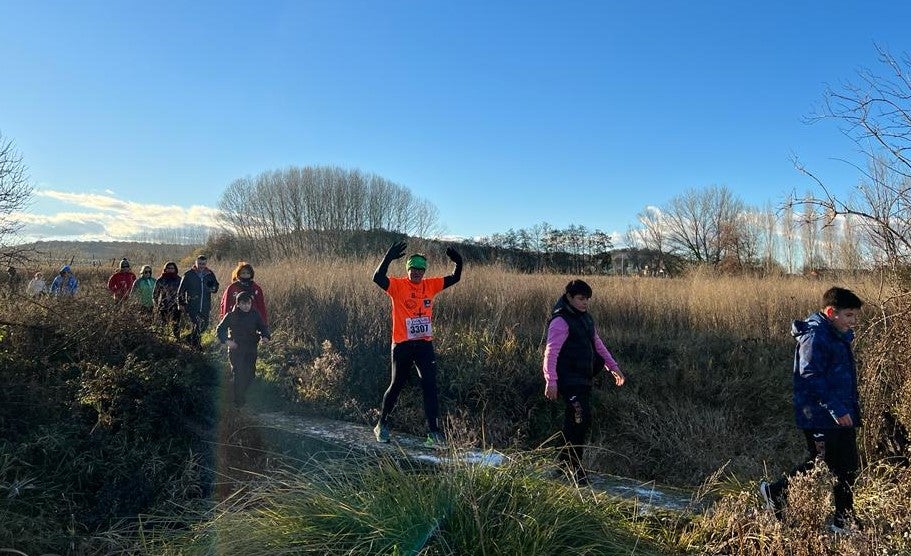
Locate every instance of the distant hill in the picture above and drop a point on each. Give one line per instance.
(105, 253)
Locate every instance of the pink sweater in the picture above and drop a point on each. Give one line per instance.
(557, 333)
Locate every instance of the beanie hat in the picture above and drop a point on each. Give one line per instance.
(124, 263)
(417, 261)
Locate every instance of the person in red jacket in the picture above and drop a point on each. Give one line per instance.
(242, 281)
(121, 282)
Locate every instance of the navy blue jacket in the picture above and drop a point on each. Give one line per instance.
(825, 376)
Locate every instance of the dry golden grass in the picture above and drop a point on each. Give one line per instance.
(708, 357)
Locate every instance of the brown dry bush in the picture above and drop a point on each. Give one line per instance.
(101, 418)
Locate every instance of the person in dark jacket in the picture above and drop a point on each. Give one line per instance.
(165, 296)
(826, 402)
(573, 357)
(241, 330)
(195, 296)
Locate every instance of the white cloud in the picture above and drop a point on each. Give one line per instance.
(108, 218)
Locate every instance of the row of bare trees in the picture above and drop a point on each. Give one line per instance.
(713, 226)
(278, 211)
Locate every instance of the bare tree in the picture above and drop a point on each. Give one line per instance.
(827, 235)
(875, 113)
(15, 192)
(849, 250)
(809, 234)
(701, 224)
(789, 234)
(769, 228)
(651, 232)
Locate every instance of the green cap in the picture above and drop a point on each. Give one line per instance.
(416, 261)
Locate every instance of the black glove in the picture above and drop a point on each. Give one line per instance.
(453, 255)
(397, 251)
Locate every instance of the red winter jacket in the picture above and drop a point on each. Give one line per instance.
(120, 284)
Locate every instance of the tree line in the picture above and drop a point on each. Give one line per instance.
(277, 212)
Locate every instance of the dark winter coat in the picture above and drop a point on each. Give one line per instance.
(244, 327)
(825, 376)
(196, 289)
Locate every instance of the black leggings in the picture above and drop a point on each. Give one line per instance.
(420, 354)
(838, 448)
(577, 422)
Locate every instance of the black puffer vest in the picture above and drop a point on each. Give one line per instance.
(577, 359)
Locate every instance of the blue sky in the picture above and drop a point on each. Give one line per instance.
(502, 114)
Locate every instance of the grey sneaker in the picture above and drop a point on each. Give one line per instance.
(382, 432)
(435, 440)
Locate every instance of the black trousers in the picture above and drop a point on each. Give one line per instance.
(577, 422)
(243, 365)
(838, 448)
(420, 354)
(200, 323)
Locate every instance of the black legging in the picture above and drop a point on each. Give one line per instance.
(420, 354)
(840, 446)
(577, 421)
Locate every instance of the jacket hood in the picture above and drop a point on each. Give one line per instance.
(818, 322)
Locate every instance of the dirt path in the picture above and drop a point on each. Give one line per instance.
(352, 437)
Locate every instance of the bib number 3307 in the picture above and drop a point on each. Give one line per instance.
(418, 327)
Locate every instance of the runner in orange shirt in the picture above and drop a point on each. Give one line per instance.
(412, 333)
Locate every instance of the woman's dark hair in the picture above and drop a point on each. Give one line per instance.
(578, 287)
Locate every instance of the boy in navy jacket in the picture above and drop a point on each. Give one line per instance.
(826, 405)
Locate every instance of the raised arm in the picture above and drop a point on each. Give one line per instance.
(396, 251)
(456, 275)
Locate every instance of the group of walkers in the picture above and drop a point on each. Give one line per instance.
(575, 359)
(826, 400)
(170, 295)
(65, 283)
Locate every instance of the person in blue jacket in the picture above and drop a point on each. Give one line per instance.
(64, 283)
(826, 402)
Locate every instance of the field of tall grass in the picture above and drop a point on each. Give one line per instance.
(708, 360)
(706, 406)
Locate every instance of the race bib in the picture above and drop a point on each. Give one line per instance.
(417, 327)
